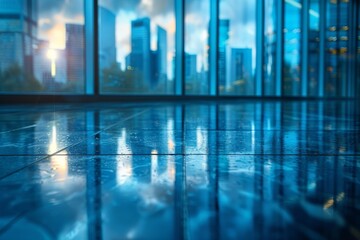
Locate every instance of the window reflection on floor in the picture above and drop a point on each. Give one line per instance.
(162, 171)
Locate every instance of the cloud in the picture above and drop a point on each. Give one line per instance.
(73, 9)
(117, 5)
(162, 7)
(150, 8)
(49, 8)
(70, 8)
(54, 14)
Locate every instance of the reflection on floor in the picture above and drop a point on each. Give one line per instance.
(246, 170)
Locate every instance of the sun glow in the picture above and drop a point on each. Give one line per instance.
(52, 55)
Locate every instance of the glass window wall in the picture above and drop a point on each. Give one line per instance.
(269, 55)
(292, 48)
(237, 47)
(42, 46)
(337, 39)
(197, 19)
(136, 47)
(313, 48)
(312, 52)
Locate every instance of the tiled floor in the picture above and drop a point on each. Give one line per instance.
(244, 170)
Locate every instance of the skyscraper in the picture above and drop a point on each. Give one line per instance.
(190, 65)
(224, 25)
(162, 54)
(241, 79)
(313, 61)
(107, 39)
(337, 49)
(18, 31)
(192, 83)
(140, 49)
(75, 46)
(154, 69)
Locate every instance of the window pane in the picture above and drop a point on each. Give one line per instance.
(197, 17)
(136, 46)
(270, 31)
(313, 48)
(337, 34)
(236, 50)
(292, 41)
(42, 46)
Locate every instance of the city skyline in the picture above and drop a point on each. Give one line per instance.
(151, 62)
(27, 36)
(30, 59)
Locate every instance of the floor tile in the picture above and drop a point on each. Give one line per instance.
(219, 170)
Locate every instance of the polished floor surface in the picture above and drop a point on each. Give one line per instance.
(212, 170)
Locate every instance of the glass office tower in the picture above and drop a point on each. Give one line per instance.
(313, 51)
(337, 48)
(18, 31)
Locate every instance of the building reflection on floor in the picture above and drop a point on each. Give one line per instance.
(244, 170)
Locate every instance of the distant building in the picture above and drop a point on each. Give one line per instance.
(241, 79)
(140, 49)
(313, 61)
(18, 31)
(107, 39)
(128, 62)
(162, 54)
(75, 49)
(337, 44)
(224, 25)
(154, 69)
(190, 67)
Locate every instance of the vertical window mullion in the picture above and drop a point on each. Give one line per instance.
(91, 85)
(259, 47)
(214, 40)
(304, 47)
(322, 8)
(353, 18)
(279, 48)
(179, 48)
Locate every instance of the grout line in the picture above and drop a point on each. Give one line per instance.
(17, 129)
(12, 222)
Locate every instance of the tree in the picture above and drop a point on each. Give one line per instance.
(13, 79)
(117, 81)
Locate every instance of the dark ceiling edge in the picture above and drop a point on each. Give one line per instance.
(37, 99)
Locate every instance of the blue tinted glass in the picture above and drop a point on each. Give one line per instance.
(236, 50)
(292, 51)
(136, 47)
(42, 46)
(337, 44)
(270, 32)
(313, 48)
(197, 18)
